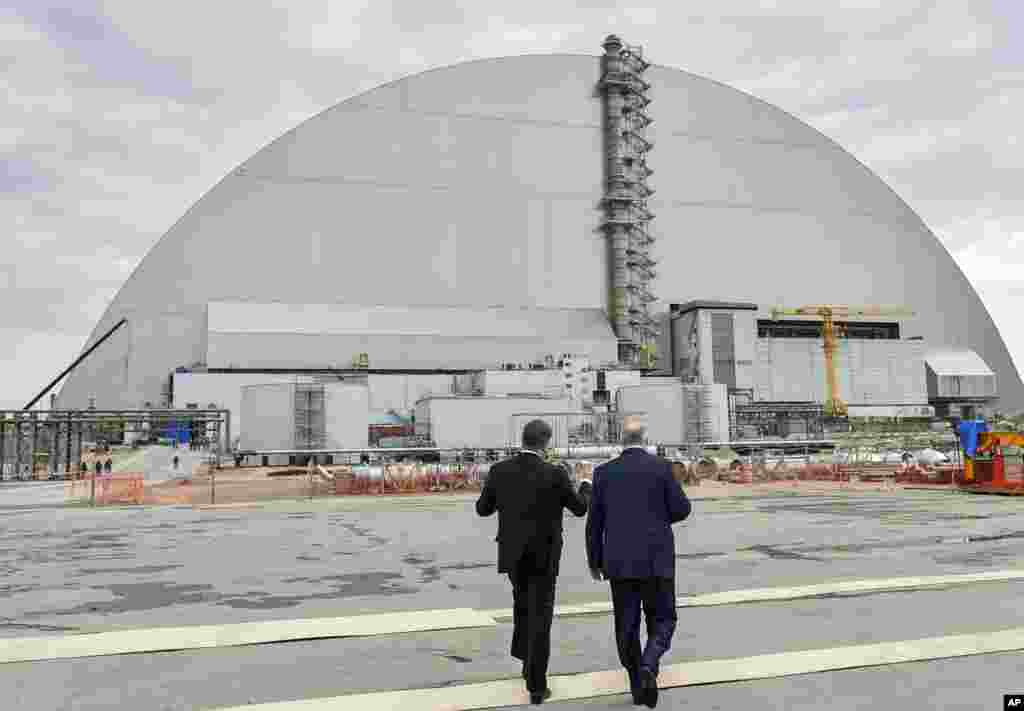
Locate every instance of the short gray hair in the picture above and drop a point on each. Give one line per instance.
(633, 431)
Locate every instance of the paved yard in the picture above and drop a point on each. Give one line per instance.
(66, 571)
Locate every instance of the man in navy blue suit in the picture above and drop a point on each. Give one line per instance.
(630, 543)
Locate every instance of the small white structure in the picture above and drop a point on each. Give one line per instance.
(304, 416)
(269, 416)
(483, 422)
(546, 382)
(706, 416)
(664, 404)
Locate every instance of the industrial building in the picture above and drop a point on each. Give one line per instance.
(564, 232)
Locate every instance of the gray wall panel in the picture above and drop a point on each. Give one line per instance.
(269, 412)
(235, 350)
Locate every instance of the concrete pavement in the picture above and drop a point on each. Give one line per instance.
(83, 570)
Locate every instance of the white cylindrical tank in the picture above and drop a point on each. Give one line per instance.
(483, 422)
(664, 406)
(346, 416)
(268, 412)
(706, 412)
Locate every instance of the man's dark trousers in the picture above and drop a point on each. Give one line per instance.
(657, 597)
(533, 595)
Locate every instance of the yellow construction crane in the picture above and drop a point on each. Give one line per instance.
(834, 405)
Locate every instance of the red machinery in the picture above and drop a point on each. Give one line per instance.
(989, 465)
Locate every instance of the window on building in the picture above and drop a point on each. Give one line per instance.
(812, 329)
(723, 349)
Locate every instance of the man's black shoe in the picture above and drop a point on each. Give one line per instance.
(537, 699)
(634, 687)
(649, 687)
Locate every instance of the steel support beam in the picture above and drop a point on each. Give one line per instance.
(67, 460)
(17, 447)
(35, 444)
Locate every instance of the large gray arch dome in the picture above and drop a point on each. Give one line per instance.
(480, 183)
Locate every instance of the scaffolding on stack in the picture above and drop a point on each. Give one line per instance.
(625, 201)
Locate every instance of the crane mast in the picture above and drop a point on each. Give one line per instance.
(834, 405)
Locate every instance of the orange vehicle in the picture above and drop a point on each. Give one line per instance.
(987, 470)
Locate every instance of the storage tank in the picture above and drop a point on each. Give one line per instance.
(706, 413)
(346, 416)
(483, 422)
(268, 412)
(664, 404)
(294, 416)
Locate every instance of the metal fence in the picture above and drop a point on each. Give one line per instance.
(54, 443)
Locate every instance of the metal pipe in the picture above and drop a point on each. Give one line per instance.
(78, 360)
(17, 447)
(67, 461)
(227, 433)
(54, 448)
(595, 452)
(78, 459)
(35, 444)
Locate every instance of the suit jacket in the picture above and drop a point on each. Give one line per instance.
(529, 495)
(629, 530)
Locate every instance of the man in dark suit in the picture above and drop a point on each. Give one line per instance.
(630, 543)
(529, 495)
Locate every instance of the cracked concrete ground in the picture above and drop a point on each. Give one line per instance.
(67, 571)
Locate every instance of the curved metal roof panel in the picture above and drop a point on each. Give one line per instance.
(480, 183)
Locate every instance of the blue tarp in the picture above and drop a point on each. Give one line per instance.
(969, 431)
(179, 432)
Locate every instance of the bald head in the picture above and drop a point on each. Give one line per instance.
(633, 431)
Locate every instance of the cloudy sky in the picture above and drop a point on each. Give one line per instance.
(117, 115)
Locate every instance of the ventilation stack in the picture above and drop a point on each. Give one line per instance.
(625, 199)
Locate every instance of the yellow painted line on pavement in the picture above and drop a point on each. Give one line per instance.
(166, 639)
(840, 587)
(510, 692)
(163, 639)
(845, 587)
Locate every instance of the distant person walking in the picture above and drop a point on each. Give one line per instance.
(630, 543)
(529, 495)
(99, 467)
(175, 460)
(108, 466)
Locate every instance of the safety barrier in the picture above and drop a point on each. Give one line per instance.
(107, 489)
(408, 478)
(224, 487)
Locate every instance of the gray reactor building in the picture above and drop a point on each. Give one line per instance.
(517, 210)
